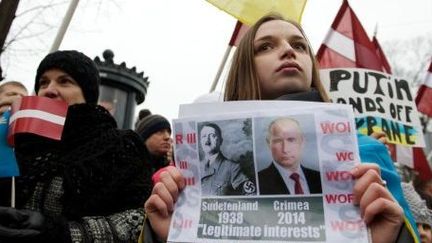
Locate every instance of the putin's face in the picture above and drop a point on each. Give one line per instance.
(286, 143)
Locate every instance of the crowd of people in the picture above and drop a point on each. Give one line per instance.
(92, 184)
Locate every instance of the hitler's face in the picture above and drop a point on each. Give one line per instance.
(282, 59)
(286, 143)
(210, 141)
(56, 84)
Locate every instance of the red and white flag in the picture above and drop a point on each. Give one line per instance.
(239, 31)
(424, 105)
(413, 157)
(38, 115)
(424, 94)
(385, 65)
(347, 44)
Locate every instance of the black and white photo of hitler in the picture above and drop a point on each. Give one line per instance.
(226, 157)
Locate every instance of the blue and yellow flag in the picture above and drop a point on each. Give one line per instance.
(249, 11)
(8, 163)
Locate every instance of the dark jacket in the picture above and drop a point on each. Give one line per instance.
(277, 185)
(155, 162)
(91, 185)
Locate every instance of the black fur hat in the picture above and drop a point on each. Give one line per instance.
(79, 66)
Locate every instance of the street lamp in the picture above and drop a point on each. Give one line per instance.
(121, 89)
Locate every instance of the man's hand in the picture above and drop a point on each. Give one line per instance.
(6, 102)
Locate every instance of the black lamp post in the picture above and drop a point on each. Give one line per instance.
(121, 89)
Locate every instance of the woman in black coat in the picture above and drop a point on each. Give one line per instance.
(91, 185)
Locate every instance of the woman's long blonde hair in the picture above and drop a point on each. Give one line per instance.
(243, 82)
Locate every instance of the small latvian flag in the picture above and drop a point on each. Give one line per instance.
(37, 115)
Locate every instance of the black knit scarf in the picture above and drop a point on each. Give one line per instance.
(103, 168)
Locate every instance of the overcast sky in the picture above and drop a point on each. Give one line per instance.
(180, 44)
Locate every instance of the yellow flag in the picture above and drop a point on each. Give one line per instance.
(249, 11)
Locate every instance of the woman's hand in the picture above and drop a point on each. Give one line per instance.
(160, 205)
(380, 136)
(378, 208)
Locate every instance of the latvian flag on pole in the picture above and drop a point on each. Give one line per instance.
(347, 44)
(37, 115)
(424, 94)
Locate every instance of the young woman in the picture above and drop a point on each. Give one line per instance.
(274, 60)
(155, 132)
(89, 186)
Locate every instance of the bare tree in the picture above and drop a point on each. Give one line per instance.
(34, 27)
(410, 58)
(23, 33)
(7, 15)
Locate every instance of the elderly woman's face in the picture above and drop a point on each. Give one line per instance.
(56, 84)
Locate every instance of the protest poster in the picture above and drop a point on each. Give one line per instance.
(381, 102)
(246, 203)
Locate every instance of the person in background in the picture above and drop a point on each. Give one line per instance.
(109, 106)
(90, 185)
(155, 133)
(422, 214)
(274, 60)
(9, 92)
(424, 189)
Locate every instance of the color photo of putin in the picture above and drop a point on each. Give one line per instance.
(286, 174)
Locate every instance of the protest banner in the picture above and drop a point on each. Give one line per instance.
(381, 102)
(247, 203)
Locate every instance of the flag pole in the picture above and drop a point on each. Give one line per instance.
(221, 68)
(376, 29)
(65, 23)
(13, 192)
(226, 55)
